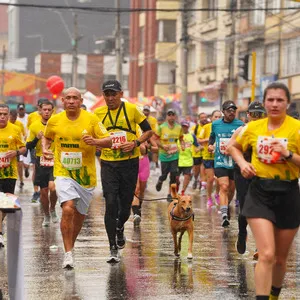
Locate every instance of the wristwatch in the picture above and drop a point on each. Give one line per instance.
(137, 143)
(289, 156)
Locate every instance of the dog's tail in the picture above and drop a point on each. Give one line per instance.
(174, 191)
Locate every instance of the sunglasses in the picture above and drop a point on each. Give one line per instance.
(170, 114)
(256, 114)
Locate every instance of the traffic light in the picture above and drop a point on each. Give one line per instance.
(244, 66)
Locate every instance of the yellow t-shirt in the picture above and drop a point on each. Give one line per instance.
(10, 139)
(20, 125)
(73, 158)
(121, 133)
(153, 123)
(257, 135)
(205, 134)
(195, 153)
(34, 129)
(35, 116)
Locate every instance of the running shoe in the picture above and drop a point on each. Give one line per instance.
(46, 222)
(195, 184)
(240, 244)
(169, 198)
(137, 220)
(26, 172)
(1, 241)
(114, 255)
(217, 198)
(68, 261)
(54, 216)
(225, 222)
(209, 202)
(159, 185)
(121, 239)
(255, 255)
(35, 197)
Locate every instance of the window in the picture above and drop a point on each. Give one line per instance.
(167, 31)
(142, 38)
(291, 57)
(141, 77)
(211, 4)
(258, 17)
(192, 59)
(81, 81)
(108, 77)
(272, 59)
(209, 54)
(290, 3)
(67, 79)
(165, 73)
(274, 4)
(125, 82)
(142, 3)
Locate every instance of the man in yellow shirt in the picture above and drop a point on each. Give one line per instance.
(13, 119)
(75, 133)
(11, 146)
(43, 167)
(120, 164)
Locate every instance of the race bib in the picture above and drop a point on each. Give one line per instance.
(4, 161)
(173, 149)
(223, 145)
(44, 162)
(71, 160)
(118, 138)
(264, 149)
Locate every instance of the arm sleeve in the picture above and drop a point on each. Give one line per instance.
(145, 126)
(195, 143)
(32, 144)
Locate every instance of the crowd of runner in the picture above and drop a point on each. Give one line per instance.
(256, 160)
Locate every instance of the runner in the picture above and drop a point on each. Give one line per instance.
(11, 146)
(43, 167)
(208, 159)
(168, 134)
(255, 112)
(272, 205)
(185, 160)
(221, 132)
(198, 168)
(75, 133)
(120, 164)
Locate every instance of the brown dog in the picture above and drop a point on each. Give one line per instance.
(181, 219)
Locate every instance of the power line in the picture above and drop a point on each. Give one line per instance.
(129, 10)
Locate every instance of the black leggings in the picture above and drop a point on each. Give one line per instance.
(8, 185)
(242, 185)
(169, 167)
(118, 182)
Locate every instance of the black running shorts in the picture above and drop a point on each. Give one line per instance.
(281, 209)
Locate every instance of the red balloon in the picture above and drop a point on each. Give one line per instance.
(55, 84)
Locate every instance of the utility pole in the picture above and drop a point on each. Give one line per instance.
(119, 59)
(3, 74)
(74, 51)
(253, 80)
(233, 5)
(184, 58)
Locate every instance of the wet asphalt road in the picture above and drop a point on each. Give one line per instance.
(148, 269)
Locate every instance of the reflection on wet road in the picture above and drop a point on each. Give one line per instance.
(148, 269)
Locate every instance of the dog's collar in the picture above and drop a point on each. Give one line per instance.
(180, 219)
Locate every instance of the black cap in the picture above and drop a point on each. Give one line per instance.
(256, 106)
(228, 104)
(113, 85)
(171, 110)
(21, 106)
(42, 101)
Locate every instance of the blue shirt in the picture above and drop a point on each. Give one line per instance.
(221, 133)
